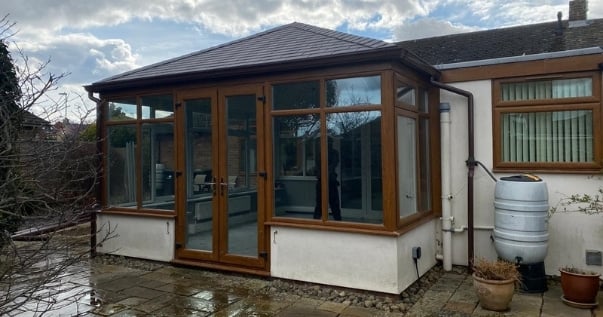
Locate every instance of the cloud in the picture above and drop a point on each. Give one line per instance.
(428, 28)
(82, 54)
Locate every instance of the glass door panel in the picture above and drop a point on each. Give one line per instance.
(200, 188)
(240, 179)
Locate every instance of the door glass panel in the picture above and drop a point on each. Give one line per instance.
(199, 178)
(241, 178)
(355, 176)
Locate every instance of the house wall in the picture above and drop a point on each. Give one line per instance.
(361, 261)
(570, 235)
(146, 238)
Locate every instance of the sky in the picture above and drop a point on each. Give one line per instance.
(93, 40)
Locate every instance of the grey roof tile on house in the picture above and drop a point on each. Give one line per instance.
(287, 43)
(508, 42)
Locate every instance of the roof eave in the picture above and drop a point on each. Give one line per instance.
(389, 53)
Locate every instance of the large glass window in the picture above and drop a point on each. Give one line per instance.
(158, 167)
(407, 166)
(354, 163)
(295, 159)
(145, 169)
(537, 129)
(347, 185)
(121, 166)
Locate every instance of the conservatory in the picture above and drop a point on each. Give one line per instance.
(299, 152)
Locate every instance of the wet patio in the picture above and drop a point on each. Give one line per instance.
(95, 288)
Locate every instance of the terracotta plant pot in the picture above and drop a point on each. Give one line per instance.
(494, 295)
(578, 287)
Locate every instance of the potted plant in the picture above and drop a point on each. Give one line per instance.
(494, 283)
(580, 287)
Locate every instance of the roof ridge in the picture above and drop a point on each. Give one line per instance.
(338, 35)
(209, 49)
(495, 29)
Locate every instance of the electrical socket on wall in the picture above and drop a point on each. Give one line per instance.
(416, 253)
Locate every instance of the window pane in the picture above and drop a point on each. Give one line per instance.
(296, 139)
(407, 166)
(154, 107)
(122, 109)
(354, 91)
(424, 104)
(354, 166)
(121, 166)
(557, 136)
(296, 96)
(158, 166)
(425, 165)
(547, 89)
(405, 94)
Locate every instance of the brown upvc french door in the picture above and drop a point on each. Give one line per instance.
(221, 220)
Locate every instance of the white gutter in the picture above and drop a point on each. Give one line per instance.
(446, 186)
(522, 58)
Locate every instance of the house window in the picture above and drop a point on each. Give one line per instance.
(140, 145)
(548, 124)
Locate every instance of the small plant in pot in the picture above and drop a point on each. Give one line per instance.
(580, 287)
(494, 283)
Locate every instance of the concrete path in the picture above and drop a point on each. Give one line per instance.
(110, 290)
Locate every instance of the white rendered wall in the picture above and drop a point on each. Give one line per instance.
(139, 237)
(570, 235)
(361, 261)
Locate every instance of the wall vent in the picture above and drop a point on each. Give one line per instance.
(593, 257)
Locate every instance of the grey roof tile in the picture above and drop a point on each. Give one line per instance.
(506, 42)
(287, 43)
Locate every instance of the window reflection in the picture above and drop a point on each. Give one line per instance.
(354, 91)
(158, 166)
(295, 158)
(407, 166)
(155, 107)
(357, 137)
(296, 96)
(122, 110)
(405, 94)
(121, 166)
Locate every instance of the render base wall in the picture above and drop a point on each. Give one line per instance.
(139, 237)
(353, 260)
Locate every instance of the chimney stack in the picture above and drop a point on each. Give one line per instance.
(577, 10)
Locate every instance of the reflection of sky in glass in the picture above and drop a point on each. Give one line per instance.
(356, 91)
(342, 123)
(127, 108)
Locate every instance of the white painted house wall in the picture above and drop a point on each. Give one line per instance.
(354, 260)
(570, 235)
(146, 238)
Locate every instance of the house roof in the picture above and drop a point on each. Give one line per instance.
(508, 42)
(290, 43)
(31, 120)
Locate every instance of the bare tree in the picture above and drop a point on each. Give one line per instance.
(47, 182)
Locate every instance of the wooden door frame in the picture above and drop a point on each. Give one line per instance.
(219, 250)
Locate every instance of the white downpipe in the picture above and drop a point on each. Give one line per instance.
(446, 186)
